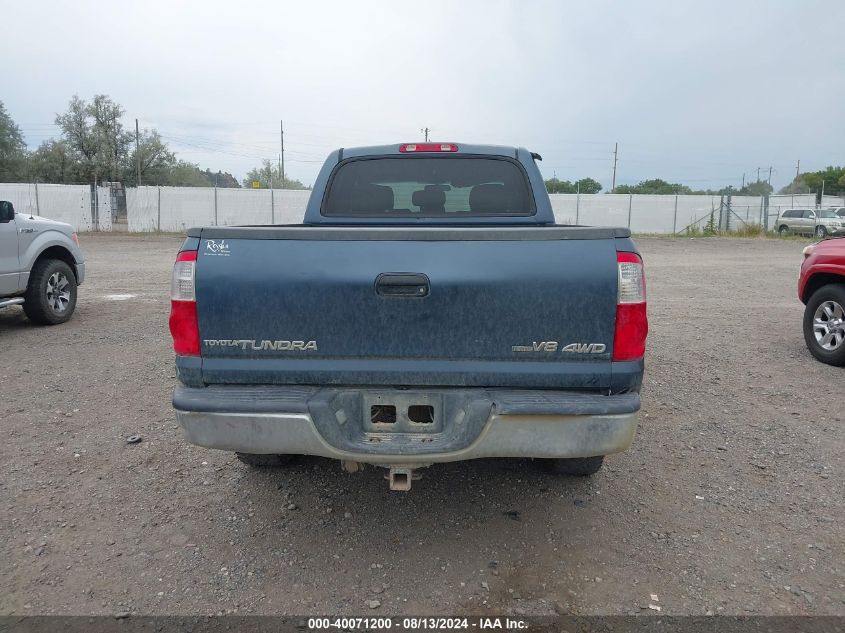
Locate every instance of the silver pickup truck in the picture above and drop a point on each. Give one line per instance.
(41, 266)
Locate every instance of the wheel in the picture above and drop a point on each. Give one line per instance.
(580, 466)
(783, 230)
(257, 460)
(824, 324)
(51, 294)
(821, 231)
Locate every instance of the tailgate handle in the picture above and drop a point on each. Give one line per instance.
(402, 285)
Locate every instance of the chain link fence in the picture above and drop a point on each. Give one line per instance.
(174, 209)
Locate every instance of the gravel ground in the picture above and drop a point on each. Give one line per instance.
(730, 500)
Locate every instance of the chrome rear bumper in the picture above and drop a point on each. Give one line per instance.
(302, 421)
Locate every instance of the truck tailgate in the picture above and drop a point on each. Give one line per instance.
(410, 306)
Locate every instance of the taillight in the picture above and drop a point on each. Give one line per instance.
(631, 319)
(184, 327)
(428, 147)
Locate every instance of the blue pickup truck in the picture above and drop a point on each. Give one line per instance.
(427, 310)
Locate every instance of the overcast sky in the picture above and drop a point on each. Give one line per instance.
(694, 92)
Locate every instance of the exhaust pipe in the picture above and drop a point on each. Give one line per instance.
(400, 478)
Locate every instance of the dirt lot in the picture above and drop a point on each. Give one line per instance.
(730, 501)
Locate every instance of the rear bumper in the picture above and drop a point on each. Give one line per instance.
(475, 423)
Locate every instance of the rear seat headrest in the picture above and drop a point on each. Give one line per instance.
(489, 198)
(371, 198)
(429, 197)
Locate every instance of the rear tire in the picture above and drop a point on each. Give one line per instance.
(264, 461)
(817, 321)
(821, 231)
(50, 297)
(782, 230)
(579, 466)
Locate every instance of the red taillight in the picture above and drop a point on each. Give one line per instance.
(428, 147)
(631, 318)
(184, 327)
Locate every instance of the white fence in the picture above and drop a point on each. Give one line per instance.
(671, 213)
(174, 209)
(65, 203)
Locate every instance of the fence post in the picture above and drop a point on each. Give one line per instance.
(272, 206)
(95, 206)
(675, 217)
(158, 223)
(630, 202)
(577, 206)
(766, 210)
(215, 206)
(728, 212)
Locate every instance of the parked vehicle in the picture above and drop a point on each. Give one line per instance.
(41, 266)
(818, 222)
(840, 211)
(821, 287)
(428, 310)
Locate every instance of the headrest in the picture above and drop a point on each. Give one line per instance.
(429, 197)
(371, 199)
(489, 198)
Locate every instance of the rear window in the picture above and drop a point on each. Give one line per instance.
(413, 186)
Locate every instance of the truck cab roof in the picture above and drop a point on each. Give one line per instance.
(481, 193)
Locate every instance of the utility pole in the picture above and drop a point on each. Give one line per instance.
(743, 181)
(425, 130)
(797, 169)
(758, 174)
(114, 146)
(615, 151)
(769, 181)
(282, 154)
(138, 152)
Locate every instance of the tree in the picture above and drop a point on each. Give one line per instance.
(654, 186)
(12, 148)
(759, 188)
(185, 174)
(588, 185)
(832, 177)
(268, 177)
(53, 162)
(156, 161)
(585, 185)
(221, 179)
(95, 137)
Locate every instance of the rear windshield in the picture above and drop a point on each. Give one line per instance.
(412, 186)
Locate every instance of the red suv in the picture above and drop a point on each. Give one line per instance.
(821, 287)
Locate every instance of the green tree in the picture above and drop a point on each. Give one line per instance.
(654, 186)
(588, 185)
(268, 177)
(185, 174)
(832, 177)
(759, 188)
(12, 149)
(53, 162)
(221, 179)
(156, 161)
(95, 137)
(585, 185)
